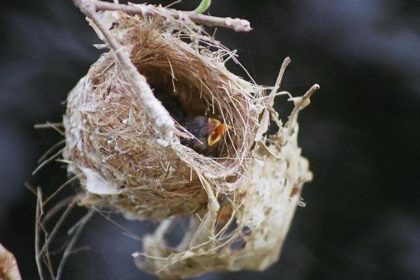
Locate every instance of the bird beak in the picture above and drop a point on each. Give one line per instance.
(218, 132)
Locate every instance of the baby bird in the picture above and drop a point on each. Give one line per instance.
(208, 134)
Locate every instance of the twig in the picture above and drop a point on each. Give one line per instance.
(38, 214)
(57, 226)
(299, 105)
(56, 208)
(50, 125)
(43, 252)
(276, 87)
(153, 108)
(72, 242)
(51, 149)
(236, 24)
(60, 188)
(173, 3)
(45, 162)
(127, 232)
(269, 103)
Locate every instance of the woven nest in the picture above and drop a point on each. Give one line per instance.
(239, 201)
(110, 139)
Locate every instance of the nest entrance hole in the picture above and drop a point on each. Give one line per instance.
(189, 86)
(178, 96)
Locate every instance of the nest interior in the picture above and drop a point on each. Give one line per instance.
(191, 81)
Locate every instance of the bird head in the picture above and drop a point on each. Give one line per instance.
(216, 130)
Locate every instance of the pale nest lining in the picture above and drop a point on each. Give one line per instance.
(240, 203)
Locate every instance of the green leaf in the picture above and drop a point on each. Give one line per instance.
(204, 5)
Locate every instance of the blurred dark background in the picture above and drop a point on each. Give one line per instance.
(361, 133)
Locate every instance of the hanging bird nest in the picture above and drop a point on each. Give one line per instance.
(124, 162)
(125, 141)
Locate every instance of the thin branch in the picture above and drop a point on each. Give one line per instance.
(54, 126)
(153, 108)
(74, 238)
(57, 226)
(64, 203)
(236, 24)
(60, 188)
(50, 150)
(48, 125)
(45, 162)
(299, 105)
(173, 3)
(127, 232)
(38, 214)
(276, 87)
(265, 117)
